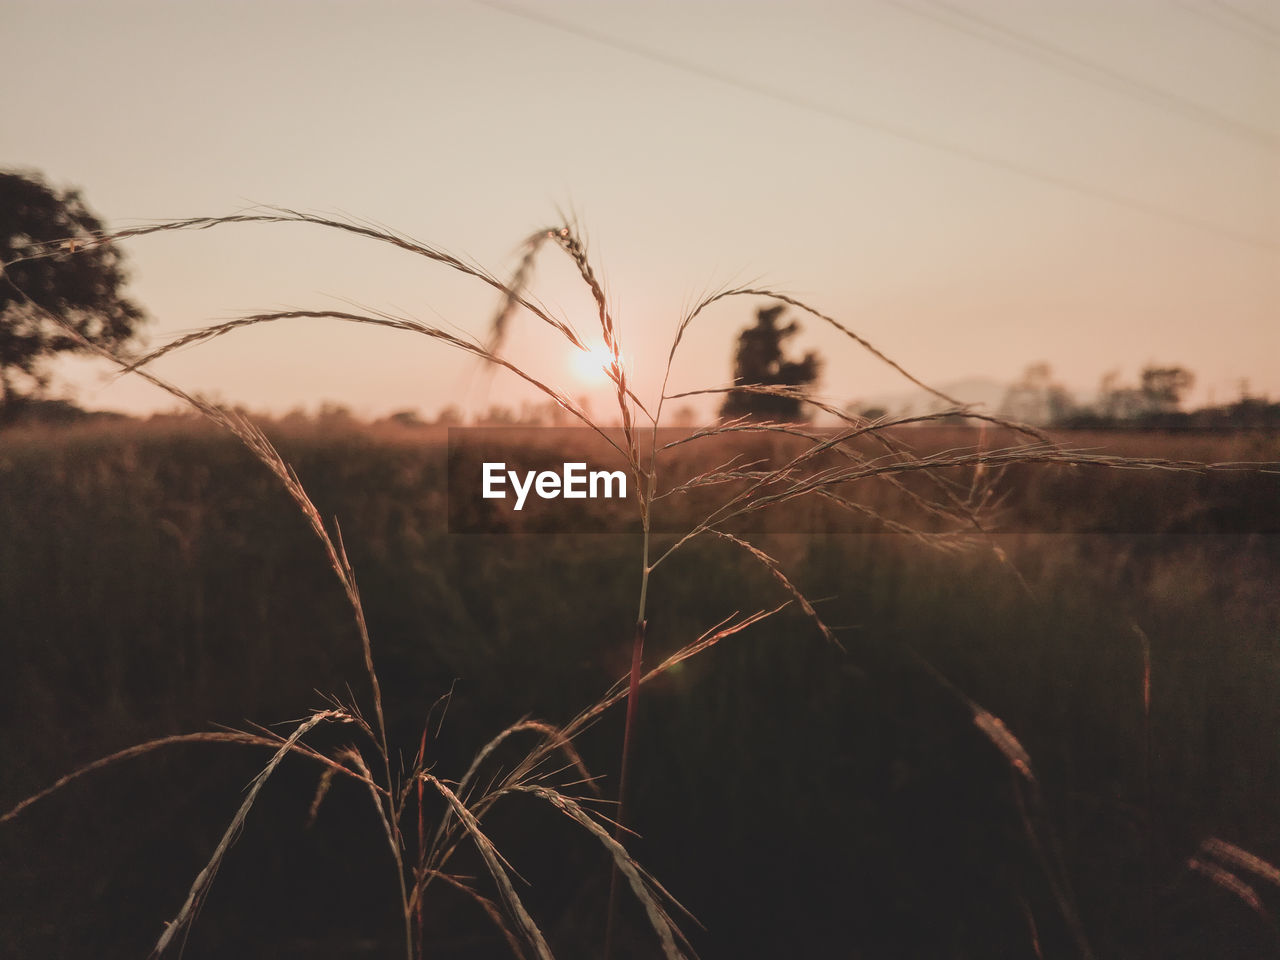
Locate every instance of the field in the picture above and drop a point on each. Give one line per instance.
(798, 798)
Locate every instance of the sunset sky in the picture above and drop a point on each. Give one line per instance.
(974, 186)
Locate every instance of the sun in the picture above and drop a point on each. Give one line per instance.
(592, 366)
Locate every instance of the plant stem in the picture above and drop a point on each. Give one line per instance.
(633, 696)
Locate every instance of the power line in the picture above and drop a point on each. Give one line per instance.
(887, 129)
(1256, 23)
(1068, 62)
(1220, 14)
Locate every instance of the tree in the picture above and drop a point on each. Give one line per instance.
(82, 286)
(1163, 387)
(1118, 403)
(1037, 398)
(1155, 403)
(759, 362)
(450, 416)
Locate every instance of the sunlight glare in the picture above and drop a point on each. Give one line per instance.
(591, 366)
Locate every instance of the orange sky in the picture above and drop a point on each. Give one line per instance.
(972, 185)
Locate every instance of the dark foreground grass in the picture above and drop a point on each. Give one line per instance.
(937, 495)
(800, 801)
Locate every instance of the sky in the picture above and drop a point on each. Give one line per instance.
(973, 186)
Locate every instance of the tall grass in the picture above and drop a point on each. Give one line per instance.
(426, 818)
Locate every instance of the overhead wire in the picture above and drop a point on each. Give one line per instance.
(1228, 18)
(1254, 23)
(1069, 62)
(887, 128)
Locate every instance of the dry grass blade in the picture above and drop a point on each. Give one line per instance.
(952, 509)
(735, 468)
(1026, 791)
(391, 826)
(490, 908)
(1241, 859)
(353, 756)
(620, 689)
(322, 791)
(565, 238)
(205, 877)
(519, 282)
(568, 241)
(1032, 929)
(781, 577)
(992, 727)
(859, 425)
(388, 321)
(641, 885)
(800, 305)
(711, 638)
(374, 319)
(738, 426)
(139, 749)
(939, 541)
(496, 866)
(342, 566)
(1009, 745)
(1228, 881)
(379, 234)
(553, 739)
(937, 462)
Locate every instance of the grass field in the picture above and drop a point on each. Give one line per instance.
(799, 799)
(891, 688)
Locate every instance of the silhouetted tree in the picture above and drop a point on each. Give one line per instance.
(759, 362)
(450, 416)
(1118, 403)
(83, 287)
(1037, 398)
(1163, 387)
(409, 418)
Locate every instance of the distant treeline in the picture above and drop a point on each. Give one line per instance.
(1247, 413)
(1155, 403)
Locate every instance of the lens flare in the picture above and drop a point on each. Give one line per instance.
(592, 366)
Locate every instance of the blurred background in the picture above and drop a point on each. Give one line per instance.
(974, 186)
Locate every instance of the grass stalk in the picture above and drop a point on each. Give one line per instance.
(620, 826)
